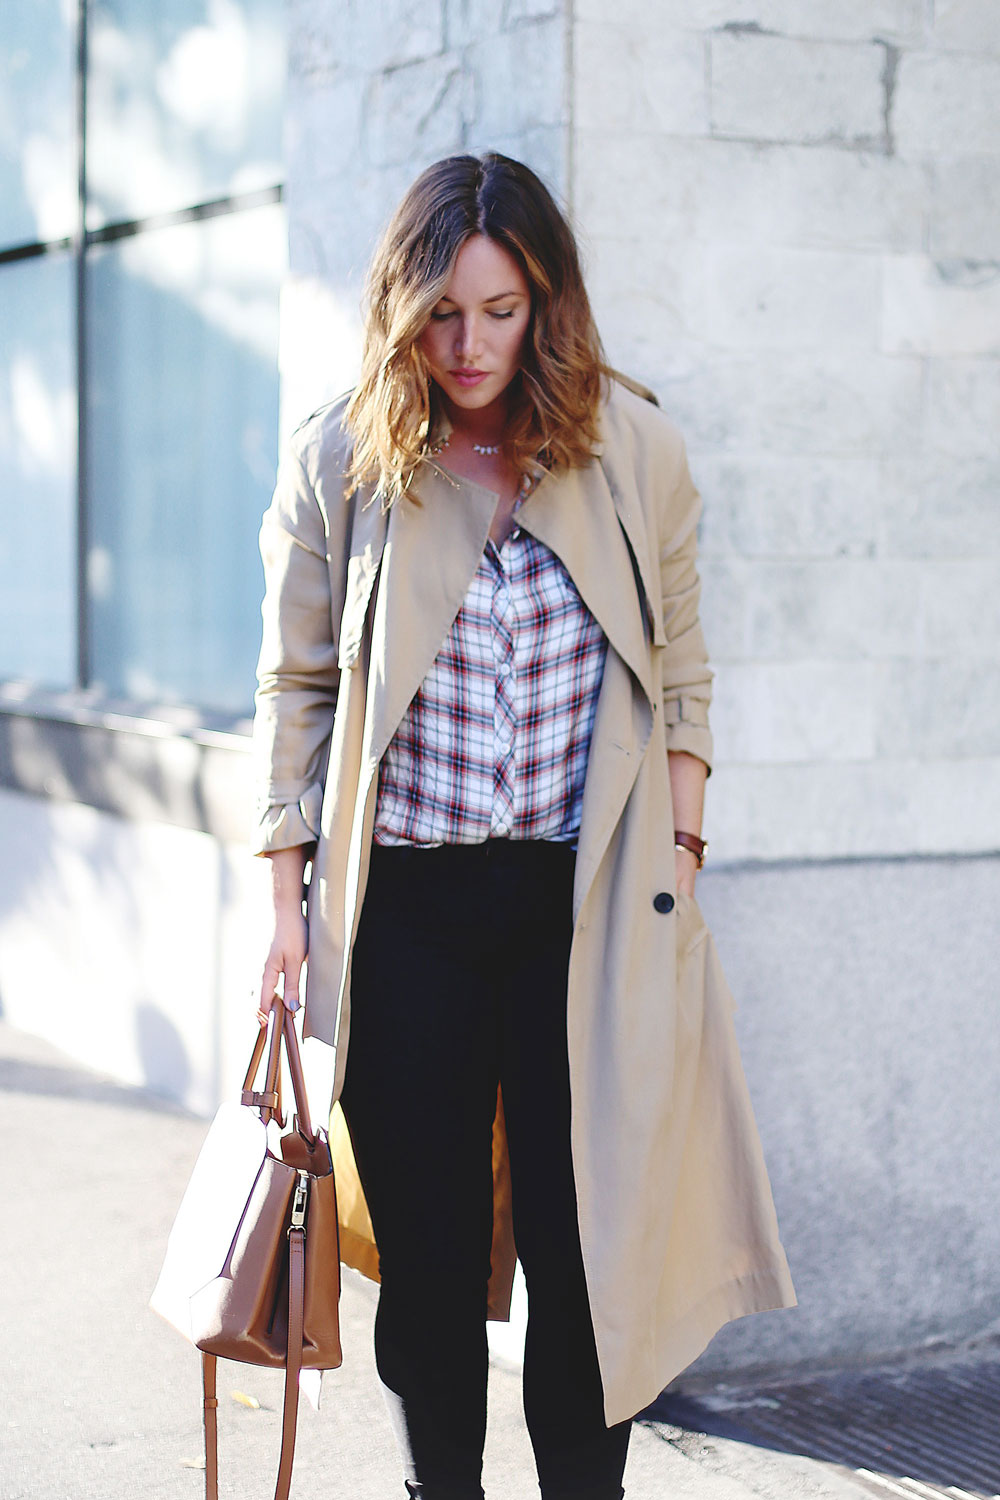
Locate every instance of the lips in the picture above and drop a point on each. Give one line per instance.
(469, 377)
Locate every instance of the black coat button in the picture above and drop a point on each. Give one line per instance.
(664, 902)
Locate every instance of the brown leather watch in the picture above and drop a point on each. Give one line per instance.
(692, 842)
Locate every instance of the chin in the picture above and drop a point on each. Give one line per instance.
(474, 398)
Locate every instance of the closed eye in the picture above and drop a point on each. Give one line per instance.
(442, 317)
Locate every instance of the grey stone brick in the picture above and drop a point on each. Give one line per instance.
(772, 88)
(939, 710)
(760, 298)
(812, 402)
(902, 21)
(725, 585)
(779, 712)
(639, 79)
(470, 20)
(847, 20)
(947, 105)
(861, 200)
(963, 407)
(656, 291)
(940, 307)
(665, 187)
(417, 113)
(788, 507)
(519, 80)
(971, 25)
(965, 208)
(962, 612)
(355, 36)
(324, 132)
(531, 10)
(937, 506)
(842, 609)
(868, 807)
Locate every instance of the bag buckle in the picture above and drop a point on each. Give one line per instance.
(301, 1198)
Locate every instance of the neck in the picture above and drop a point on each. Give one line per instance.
(485, 425)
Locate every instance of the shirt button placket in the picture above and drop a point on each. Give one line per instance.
(504, 711)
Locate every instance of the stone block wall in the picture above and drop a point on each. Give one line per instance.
(791, 214)
(790, 211)
(377, 92)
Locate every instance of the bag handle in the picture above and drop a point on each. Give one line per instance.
(303, 1117)
(267, 1099)
(293, 1364)
(281, 1027)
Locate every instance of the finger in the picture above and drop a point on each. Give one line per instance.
(268, 988)
(290, 995)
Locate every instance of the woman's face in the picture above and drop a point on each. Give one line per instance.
(473, 341)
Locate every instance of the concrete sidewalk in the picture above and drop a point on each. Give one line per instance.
(100, 1399)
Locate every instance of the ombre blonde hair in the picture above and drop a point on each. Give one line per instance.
(554, 398)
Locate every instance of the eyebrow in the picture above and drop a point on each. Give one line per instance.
(498, 298)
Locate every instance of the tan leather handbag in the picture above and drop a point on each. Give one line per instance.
(252, 1268)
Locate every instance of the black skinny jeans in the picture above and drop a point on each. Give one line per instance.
(458, 983)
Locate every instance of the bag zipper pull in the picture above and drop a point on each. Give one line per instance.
(298, 1219)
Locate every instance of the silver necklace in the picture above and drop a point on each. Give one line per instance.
(488, 450)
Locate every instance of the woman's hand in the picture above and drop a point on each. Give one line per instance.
(290, 942)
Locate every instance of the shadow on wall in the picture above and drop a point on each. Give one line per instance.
(162, 1053)
(101, 925)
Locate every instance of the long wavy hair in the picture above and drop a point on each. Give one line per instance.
(552, 401)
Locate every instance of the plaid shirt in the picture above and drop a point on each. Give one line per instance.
(495, 742)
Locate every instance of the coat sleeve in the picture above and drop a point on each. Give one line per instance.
(297, 672)
(687, 678)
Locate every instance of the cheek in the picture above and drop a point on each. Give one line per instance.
(516, 332)
(425, 343)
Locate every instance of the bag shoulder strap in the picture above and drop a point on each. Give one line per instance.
(293, 1364)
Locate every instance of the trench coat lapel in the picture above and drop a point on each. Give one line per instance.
(432, 551)
(577, 517)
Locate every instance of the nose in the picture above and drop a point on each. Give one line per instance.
(467, 339)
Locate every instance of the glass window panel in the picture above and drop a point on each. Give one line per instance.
(182, 403)
(37, 121)
(37, 471)
(184, 103)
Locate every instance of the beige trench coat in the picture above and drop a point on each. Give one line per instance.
(677, 1223)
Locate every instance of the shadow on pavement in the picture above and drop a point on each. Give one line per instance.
(920, 1429)
(18, 1076)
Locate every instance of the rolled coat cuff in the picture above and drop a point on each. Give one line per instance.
(685, 722)
(289, 824)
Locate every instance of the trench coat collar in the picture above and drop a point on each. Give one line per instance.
(432, 551)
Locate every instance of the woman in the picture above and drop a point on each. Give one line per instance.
(482, 716)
